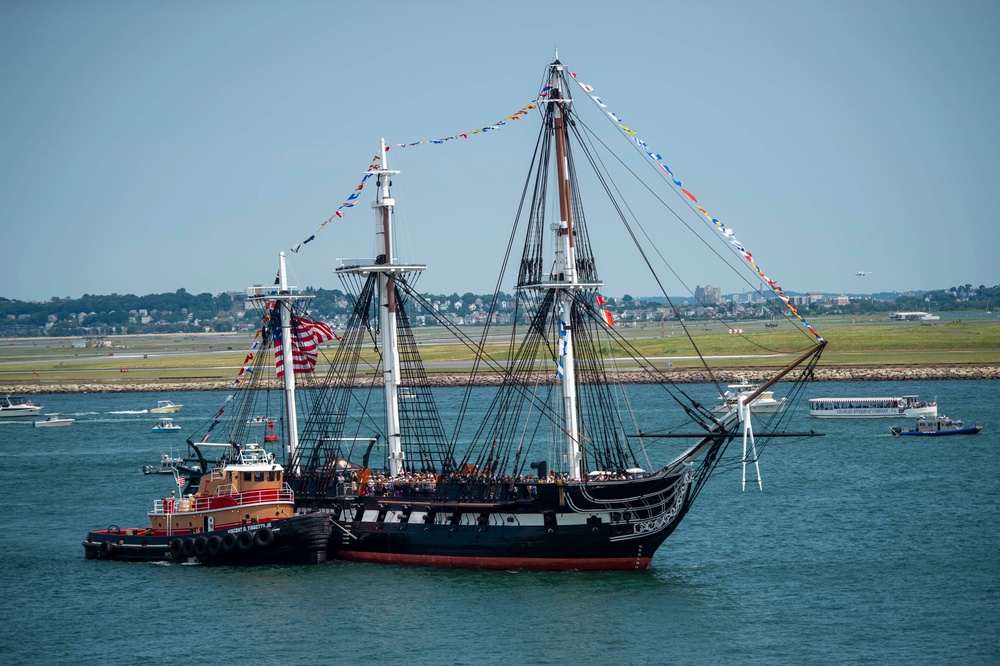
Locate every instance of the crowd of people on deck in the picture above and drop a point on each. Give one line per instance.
(370, 482)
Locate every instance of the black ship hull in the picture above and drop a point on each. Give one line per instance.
(548, 526)
(301, 539)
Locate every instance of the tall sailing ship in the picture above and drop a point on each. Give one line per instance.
(556, 475)
(548, 467)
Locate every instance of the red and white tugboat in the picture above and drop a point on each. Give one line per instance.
(238, 510)
(241, 512)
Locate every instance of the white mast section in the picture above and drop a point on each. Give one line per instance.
(285, 298)
(744, 413)
(565, 272)
(384, 248)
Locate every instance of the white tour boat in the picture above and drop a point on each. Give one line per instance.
(854, 408)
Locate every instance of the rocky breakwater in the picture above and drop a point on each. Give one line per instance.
(676, 375)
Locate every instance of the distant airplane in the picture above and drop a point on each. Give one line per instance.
(863, 273)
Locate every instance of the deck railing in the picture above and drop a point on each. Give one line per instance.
(221, 501)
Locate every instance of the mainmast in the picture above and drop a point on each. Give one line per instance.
(564, 272)
(387, 273)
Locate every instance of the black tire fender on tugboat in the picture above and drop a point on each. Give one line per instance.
(200, 546)
(244, 541)
(106, 548)
(229, 542)
(189, 547)
(214, 546)
(177, 547)
(264, 537)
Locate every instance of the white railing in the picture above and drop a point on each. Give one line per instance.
(172, 505)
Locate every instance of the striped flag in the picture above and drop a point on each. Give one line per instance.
(306, 338)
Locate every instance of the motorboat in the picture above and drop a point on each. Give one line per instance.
(53, 421)
(765, 403)
(168, 464)
(940, 425)
(15, 405)
(165, 425)
(165, 407)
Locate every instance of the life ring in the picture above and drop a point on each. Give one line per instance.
(214, 546)
(229, 542)
(264, 537)
(189, 547)
(200, 546)
(244, 541)
(106, 548)
(177, 547)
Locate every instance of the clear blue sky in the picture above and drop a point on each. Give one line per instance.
(149, 146)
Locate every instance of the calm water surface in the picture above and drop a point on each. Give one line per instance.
(862, 548)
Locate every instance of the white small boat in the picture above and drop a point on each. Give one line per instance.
(165, 425)
(168, 464)
(165, 407)
(765, 403)
(53, 421)
(15, 405)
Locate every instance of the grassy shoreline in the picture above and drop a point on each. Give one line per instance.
(857, 351)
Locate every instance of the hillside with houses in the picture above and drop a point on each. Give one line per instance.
(184, 312)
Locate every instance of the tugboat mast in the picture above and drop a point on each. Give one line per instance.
(283, 298)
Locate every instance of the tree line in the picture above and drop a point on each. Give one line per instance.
(182, 311)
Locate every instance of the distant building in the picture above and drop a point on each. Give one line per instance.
(708, 295)
(912, 316)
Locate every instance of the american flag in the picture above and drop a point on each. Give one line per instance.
(306, 338)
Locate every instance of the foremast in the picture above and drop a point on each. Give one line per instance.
(384, 257)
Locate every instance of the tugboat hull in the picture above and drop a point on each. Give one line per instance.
(301, 539)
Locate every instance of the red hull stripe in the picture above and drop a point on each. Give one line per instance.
(537, 563)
